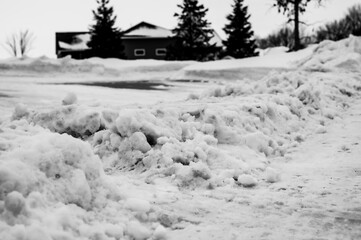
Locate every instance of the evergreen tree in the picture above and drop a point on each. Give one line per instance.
(240, 42)
(192, 34)
(105, 39)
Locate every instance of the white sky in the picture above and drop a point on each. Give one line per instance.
(45, 17)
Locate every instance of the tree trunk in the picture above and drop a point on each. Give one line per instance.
(297, 45)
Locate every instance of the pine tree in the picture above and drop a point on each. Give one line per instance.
(192, 34)
(105, 39)
(240, 42)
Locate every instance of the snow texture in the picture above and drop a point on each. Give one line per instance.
(75, 171)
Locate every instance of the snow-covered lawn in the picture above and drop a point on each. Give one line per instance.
(258, 148)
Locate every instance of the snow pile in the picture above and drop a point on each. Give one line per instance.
(344, 54)
(70, 99)
(52, 186)
(61, 167)
(187, 142)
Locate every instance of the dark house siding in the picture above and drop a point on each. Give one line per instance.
(75, 54)
(151, 47)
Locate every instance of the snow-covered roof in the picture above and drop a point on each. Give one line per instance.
(147, 30)
(80, 42)
(216, 39)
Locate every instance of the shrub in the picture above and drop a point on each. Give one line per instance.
(282, 37)
(353, 19)
(340, 29)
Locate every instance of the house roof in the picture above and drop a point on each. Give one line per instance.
(141, 30)
(147, 30)
(216, 39)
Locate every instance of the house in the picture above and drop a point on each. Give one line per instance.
(142, 41)
(146, 41)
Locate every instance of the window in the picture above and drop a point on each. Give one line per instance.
(139, 52)
(160, 51)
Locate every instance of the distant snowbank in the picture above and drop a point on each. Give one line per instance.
(44, 65)
(325, 56)
(247, 68)
(273, 51)
(277, 60)
(121, 69)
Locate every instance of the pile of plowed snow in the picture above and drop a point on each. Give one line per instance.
(57, 167)
(328, 55)
(264, 118)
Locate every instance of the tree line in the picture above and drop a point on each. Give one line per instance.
(334, 30)
(193, 33)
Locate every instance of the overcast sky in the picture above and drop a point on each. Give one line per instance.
(45, 17)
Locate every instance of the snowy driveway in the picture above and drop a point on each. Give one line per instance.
(318, 197)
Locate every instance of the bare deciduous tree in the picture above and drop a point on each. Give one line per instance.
(11, 44)
(25, 42)
(19, 44)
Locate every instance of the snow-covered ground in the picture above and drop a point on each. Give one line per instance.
(259, 148)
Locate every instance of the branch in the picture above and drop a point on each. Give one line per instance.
(292, 20)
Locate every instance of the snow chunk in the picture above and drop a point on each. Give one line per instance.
(20, 112)
(15, 203)
(272, 175)
(69, 99)
(160, 233)
(10, 181)
(247, 180)
(59, 166)
(139, 142)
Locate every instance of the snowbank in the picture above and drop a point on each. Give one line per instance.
(273, 51)
(44, 65)
(53, 186)
(263, 118)
(235, 69)
(123, 69)
(344, 54)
